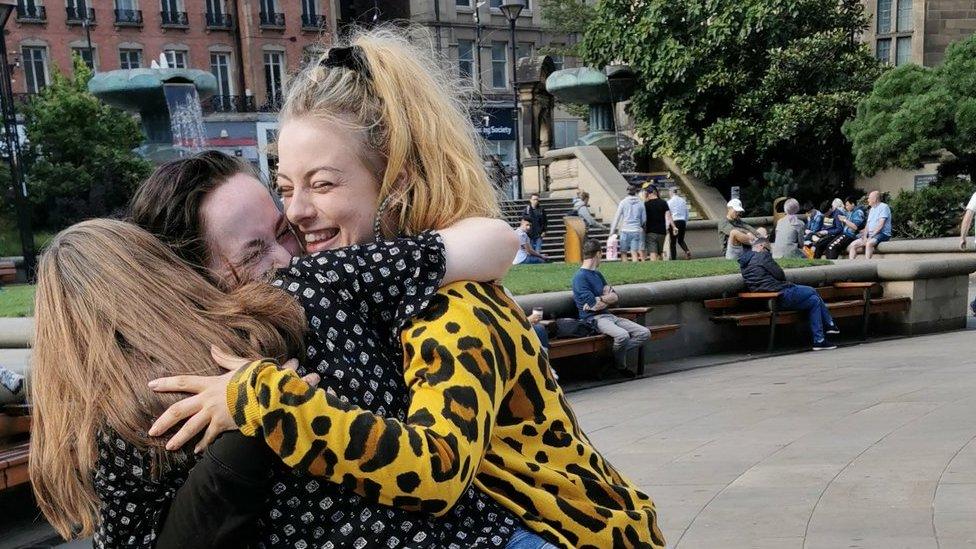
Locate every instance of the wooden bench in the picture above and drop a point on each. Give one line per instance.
(15, 422)
(8, 272)
(601, 344)
(843, 300)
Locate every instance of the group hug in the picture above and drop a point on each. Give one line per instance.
(337, 368)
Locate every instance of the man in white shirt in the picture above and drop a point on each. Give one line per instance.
(526, 254)
(679, 215)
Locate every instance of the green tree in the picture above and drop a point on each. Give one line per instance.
(733, 90)
(916, 113)
(79, 155)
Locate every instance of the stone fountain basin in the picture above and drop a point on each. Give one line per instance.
(588, 86)
(141, 89)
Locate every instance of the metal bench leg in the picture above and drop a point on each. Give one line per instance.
(867, 314)
(772, 325)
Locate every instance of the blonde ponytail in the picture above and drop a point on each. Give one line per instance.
(413, 124)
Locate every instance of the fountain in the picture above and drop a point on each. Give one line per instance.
(168, 103)
(601, 91)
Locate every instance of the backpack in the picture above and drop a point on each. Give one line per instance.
(568, 328)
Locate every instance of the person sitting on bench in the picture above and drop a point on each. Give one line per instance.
(593, 295)
(762, 274)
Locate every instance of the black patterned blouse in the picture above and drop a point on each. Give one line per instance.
(355, 300)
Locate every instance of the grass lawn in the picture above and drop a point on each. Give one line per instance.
(522, 279)
(17, 300)
(553, 277)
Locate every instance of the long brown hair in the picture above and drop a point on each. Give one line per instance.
(116, 308)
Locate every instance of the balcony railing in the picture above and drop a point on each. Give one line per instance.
(273, 104)
(77, 16)
(272, 20)
(219, 21)
(174, 19)
(313, 22)
(31, 14)
(229, 103)
(128, 18)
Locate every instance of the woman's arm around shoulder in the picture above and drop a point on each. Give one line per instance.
(478, 248)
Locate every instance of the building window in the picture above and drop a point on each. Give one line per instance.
(884, 16)
(220, 67)
(524, 49)
(274, 69)
(567, 133)
(309, 8)
(215, 7)
(269, 7)
(463, 3)
(466, 59)
(129, 5)
(904, 21)
(903, 50)
(86, 54)
(35, 66)
(130, 59)
(499, 64)
(176, 59)
(883, 50)
(557, 58)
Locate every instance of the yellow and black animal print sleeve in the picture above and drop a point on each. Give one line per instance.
(423, 464)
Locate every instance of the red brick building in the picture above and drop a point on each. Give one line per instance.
(249, 45)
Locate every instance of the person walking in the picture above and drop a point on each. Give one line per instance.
(790, 231)
(659, 223)
(537, 215)
(581, 207)
(967, 221)
(593, 295)
(679, 218)
(630, 218)
(877, 229)
(762, 274)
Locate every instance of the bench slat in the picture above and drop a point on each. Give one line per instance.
(13, 465)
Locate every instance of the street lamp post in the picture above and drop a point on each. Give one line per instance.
(86, 23)
(512, 9)
(12, 143)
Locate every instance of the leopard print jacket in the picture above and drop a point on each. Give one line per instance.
(484, 409)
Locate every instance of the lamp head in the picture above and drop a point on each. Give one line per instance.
(512, 8)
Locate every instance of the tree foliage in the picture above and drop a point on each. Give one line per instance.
(931, 212)
(733, 90)
(79, 155)
(915, 113)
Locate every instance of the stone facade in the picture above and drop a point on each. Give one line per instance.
(924, 28)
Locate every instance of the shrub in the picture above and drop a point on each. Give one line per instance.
(932, 211)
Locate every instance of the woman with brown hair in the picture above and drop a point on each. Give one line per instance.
(116, 308)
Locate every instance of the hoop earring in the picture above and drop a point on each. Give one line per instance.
(378, 220)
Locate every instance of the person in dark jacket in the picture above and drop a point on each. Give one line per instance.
(537, 215)
(762, 274)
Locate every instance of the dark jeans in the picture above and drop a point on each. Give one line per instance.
(805, 298)
(540, 331)
(678, 239)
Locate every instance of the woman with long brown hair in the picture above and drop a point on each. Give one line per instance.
(116, 308)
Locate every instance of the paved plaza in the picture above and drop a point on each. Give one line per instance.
(865, 446)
